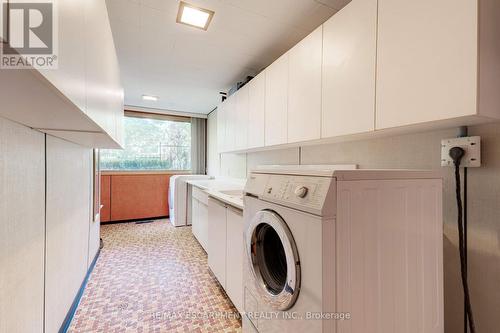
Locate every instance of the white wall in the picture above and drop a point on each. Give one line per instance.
(422, 151)
(47, 238)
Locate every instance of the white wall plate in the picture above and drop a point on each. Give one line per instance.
(472, 147)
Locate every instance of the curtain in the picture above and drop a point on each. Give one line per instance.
(199, 146)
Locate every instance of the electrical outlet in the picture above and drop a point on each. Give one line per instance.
(472, 147)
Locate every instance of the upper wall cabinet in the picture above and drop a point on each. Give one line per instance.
(70, 74)
(376, 65)
(82, 100)
(231, 119)
(221, 127)
(256, 111)
(103, 86)
(304, 88)
(241, 116)
(276, 102)
(437, 62)
(349, 56)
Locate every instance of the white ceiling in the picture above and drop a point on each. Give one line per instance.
(187, 67)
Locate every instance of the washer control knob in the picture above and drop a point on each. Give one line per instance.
(301, 191)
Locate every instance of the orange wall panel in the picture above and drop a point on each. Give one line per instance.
(139, 196)
(105, 198)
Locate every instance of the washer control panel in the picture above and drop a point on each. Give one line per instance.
(305, 191)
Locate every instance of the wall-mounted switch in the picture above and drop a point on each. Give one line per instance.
(472, 147)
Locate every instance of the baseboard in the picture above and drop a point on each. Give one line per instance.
(71, 312)
(135, 220)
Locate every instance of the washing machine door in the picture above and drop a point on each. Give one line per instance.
(274, 260)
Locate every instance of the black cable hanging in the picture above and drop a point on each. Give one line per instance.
(465, 244)
(457, 153)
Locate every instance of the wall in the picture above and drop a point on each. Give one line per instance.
(47, 238)
(422, 151)
(134, 195)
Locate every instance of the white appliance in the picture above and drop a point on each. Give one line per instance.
(330, 250)
(178, 199)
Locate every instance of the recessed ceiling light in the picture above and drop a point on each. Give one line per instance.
(194, 16)
(150, 98)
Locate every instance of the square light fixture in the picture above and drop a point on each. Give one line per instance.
(194, 16)
(150, 98)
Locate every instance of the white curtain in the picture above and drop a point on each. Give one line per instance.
(199, 146)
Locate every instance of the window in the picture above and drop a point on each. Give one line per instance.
(152, 142)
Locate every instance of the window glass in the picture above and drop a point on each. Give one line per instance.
(151, 144)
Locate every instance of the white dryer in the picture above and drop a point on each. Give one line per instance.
(178, 198)
(329, 250)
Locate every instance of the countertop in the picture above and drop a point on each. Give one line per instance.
(227, 190)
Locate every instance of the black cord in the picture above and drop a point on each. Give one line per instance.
(461, 247)
(465, 244)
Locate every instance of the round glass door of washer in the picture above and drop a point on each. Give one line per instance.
(274, 260)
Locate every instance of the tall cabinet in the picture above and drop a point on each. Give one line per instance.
(22, 228)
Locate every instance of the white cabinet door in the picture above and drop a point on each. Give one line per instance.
(427, 61)
(241, 118)
(103, 86)
(221, 127)
(203, 224)
(349, 59)
(256, 111)
(276, 102)
(304, 88)
(199, 215)
(195, 225)
(22, 228)
(230, 114)
(69, 78)
(217, 240)
(234, 257)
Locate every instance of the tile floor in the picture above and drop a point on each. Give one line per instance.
(153, 278)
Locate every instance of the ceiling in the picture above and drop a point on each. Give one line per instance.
(187, 67)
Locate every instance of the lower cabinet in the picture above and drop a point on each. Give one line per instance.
(234, 257)
(199, 217)
(225, 249)
(217, 239)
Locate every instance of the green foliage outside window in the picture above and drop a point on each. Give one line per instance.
(151, 144)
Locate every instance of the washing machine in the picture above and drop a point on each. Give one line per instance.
(330, 250)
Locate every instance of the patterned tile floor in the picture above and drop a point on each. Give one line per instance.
(153, 278)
